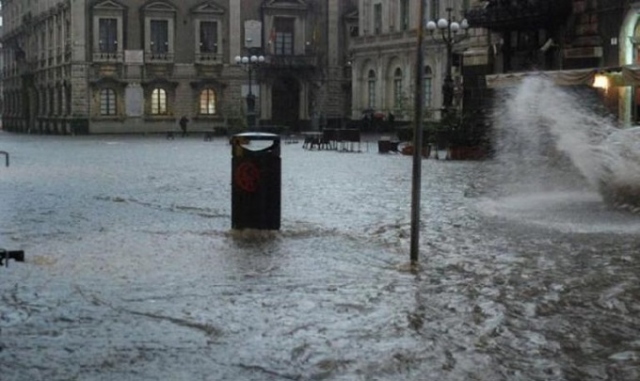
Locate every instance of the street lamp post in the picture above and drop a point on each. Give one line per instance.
(449, 29)
(248, 63)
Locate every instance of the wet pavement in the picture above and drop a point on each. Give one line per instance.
(132, 271)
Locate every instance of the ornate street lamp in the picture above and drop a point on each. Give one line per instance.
(449, 32)
(248, 63)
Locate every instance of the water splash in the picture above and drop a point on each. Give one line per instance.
(551, 137)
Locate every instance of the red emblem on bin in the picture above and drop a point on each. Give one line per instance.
(247, 177)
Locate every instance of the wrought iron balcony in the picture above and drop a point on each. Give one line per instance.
(514, 14)
(292, 61)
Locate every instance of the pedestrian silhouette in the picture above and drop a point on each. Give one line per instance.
(184, 121)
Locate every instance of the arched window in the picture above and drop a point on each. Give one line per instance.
(371, 89)
(207, 102)
(107, 102)
(159, 101)
(397, 89)
(427, 81)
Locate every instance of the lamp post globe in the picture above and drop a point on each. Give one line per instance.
(248, 63)
(449, 29)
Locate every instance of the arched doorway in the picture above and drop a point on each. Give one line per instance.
(285, 101)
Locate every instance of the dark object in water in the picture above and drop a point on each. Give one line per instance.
(5, 255)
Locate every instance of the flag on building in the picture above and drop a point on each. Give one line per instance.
(272, 41)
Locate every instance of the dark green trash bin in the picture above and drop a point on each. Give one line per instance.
(255, 181)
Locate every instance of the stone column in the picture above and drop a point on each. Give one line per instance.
(235, 31)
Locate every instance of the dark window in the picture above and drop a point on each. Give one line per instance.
(108, 39)
(435, 9)
(404, 14)
(428, 86)
(371, 89)
(397, 88)
(159, 36)
(208, 37)
(377, 14)
(284, 36)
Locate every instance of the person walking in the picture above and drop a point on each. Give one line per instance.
(184, 121)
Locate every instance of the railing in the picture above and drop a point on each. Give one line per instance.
(498, 13)
(278, 61)
(209, 58)
(6, 155)
(108, 57)
(152, 57)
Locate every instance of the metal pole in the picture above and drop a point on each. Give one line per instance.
(447, 88)
(250, 101)
(417, 138)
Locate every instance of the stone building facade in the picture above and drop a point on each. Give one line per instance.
(126, 66)
(383, 56)
(573, 41)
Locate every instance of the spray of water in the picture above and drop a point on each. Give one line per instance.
(550, 137)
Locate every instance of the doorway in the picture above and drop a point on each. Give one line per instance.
(285, 100)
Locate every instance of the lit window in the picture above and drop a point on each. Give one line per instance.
(107, 102)
(159, 102)
(208, 102)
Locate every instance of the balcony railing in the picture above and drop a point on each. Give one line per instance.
(209, 58)
(386, 38)
(112, 57)
(498, 14)
(293, 62)
(153, 57)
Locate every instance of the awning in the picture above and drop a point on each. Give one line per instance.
(628, 75)
(559, 77)
(631, 75)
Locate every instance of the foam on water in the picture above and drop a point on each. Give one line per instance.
(552, 138)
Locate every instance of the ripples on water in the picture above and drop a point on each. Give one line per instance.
(132, 270)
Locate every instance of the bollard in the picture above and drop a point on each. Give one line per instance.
(5, 255)
(6, 157)
(255, 182)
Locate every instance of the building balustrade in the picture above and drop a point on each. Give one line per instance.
(153, 57)
(292, 61)
(209, 58)
(388, 38)
(114, 57)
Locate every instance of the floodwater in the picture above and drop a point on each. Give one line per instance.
(132, 271)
